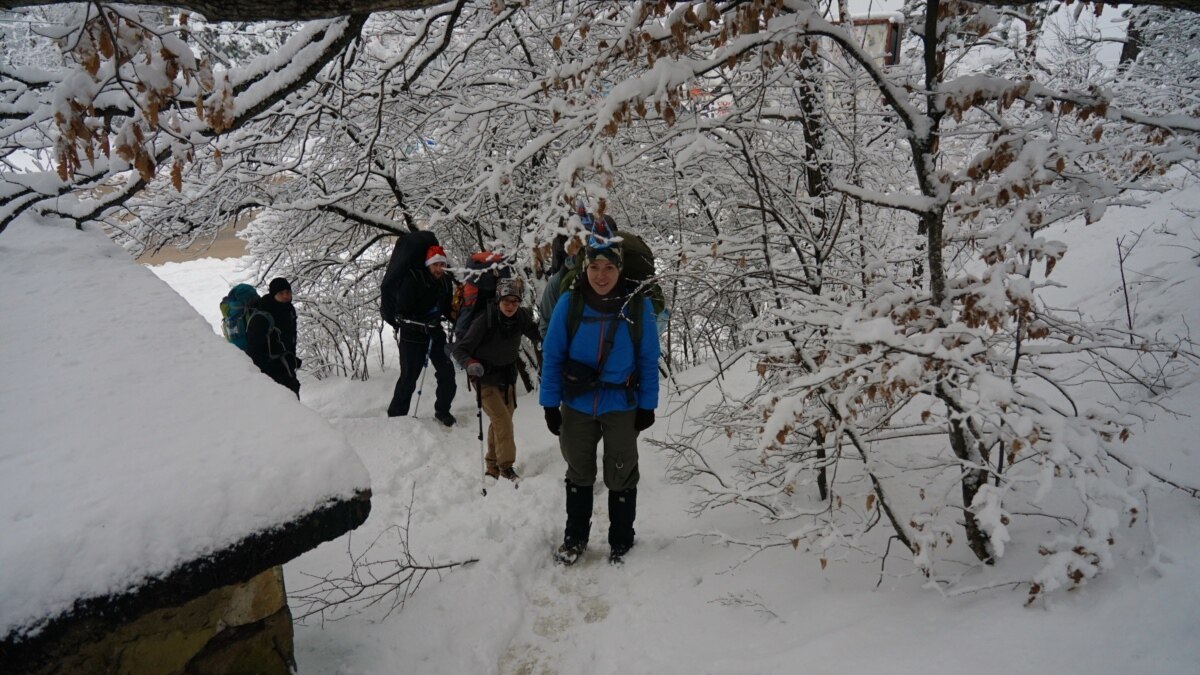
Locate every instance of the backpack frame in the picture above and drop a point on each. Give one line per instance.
(478, 286)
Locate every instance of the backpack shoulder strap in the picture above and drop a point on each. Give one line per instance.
(634, 314)
(489, 314)
(574, 313)
(254, 311)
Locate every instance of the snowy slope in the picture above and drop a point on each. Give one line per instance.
(683, 603)
(132, 439)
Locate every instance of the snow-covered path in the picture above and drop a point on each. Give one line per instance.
(519, 613)
(681, 604)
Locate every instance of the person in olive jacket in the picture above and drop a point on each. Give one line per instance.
(423, 301)
(271, 335)
(490, 351)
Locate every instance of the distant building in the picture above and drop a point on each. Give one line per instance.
(880, 35)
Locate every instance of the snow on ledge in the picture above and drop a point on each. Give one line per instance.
(132, 439)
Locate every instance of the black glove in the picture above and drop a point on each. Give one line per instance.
(643, 420)
(553, 420)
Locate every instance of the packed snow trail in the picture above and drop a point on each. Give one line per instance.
(546, 608)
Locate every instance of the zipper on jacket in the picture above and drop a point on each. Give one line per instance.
(599, 373)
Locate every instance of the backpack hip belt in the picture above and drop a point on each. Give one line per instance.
(422, 324)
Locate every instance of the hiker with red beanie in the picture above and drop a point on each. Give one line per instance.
(422, 301)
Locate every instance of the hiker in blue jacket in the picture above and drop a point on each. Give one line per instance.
(600, 383)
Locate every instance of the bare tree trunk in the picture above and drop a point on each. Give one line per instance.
(822, 455)
(1133, 37)
(964, 445)
(966, 449)
(816, 176)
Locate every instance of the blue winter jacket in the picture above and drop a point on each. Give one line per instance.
(585, 347)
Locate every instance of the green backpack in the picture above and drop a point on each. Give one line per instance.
(236, 308)
(638, 268)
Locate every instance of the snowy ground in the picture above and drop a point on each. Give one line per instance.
(683, 604)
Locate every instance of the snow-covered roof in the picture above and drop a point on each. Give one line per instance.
(133, 441)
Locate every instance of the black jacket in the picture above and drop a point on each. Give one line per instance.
(271, 339)
(495, 341)
(422, 301)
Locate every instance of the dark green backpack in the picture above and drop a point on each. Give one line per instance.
(638, 268)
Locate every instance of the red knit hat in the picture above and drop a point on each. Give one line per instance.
(436, 254)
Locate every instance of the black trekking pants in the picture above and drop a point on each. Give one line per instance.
(277, 370)
(412, 361)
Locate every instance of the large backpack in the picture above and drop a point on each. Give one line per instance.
(638, 268)
(407, 255)
(236, 308)
(478, 286)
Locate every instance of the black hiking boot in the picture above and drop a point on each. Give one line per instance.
(579, 524)
(445, 418)
(622, 509)
(616, 554)
(569, 553)
(492, 472)
(507, 472)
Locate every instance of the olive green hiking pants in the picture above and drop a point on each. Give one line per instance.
(579, 440)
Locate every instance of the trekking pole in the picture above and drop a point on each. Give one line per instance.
(482, 453)
(421, 384)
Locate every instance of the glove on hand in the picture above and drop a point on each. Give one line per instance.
(643, 419)
(553, 420)
(474, 369)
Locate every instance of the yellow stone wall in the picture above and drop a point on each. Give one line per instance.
(244, 628)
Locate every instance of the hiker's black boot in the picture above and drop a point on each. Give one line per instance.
(445, 418)
(622, 509)
(579, 524)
